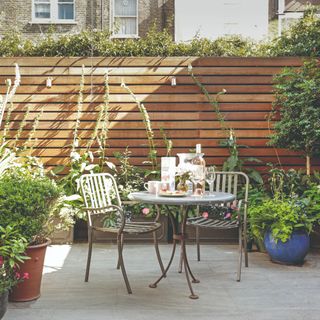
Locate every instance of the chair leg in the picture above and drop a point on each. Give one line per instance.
(240, 254)
(245, 248)
(121, 243)
(156, 246)
(198, 242)
(90, 240)
(181, 259)
(121, 263)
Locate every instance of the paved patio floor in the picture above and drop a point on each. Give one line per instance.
(267, 290)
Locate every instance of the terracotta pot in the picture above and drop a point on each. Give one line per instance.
(3, 303)
(29, 289)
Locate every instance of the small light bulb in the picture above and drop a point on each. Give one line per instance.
(49, 82)
(173, 81)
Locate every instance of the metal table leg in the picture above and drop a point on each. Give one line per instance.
(188, 273)
(174, 245)
(184, 259)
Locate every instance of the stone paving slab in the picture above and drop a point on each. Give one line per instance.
(267, 290)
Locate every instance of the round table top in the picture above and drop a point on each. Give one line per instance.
(215, 197)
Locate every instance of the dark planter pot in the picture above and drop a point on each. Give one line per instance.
(29, 289)
(3, 303)
(291, 252)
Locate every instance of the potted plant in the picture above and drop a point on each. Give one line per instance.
(12, 248)
(284, 223)
(27, 200)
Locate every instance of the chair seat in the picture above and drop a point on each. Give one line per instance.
(213, 223)
(132, 227)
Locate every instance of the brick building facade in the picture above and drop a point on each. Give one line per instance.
(132, 17)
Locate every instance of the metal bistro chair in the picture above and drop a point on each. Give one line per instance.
(228, 182)
(102, 199)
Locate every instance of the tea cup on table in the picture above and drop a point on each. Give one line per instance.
(154, 187)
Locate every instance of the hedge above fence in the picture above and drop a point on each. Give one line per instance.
(302, 39)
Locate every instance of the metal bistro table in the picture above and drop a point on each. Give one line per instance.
(184, 203)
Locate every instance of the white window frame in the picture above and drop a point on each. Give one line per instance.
(54, 14)
(112, 22)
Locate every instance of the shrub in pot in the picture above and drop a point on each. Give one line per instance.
(284, 223)
(12, 248)
(27, 199)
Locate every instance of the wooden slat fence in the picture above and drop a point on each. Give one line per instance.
(181, 110)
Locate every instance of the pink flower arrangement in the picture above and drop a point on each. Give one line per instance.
(24, 276)
(234, 205)
(205, 214)
(228, 216)
(145, 211)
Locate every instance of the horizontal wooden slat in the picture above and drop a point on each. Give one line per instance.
(144, 80)
(137, 151)
(125, 71)
(140, 89)
(136, 115)
(142, 97)
(134, 133)
(150, 61)
(160, 106)
(122, 143)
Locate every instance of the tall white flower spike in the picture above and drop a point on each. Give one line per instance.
(9, 95)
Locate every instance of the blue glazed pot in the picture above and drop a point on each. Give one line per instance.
(292, 252)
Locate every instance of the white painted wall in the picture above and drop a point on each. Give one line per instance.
(215, 18)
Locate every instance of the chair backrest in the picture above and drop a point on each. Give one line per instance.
(99, 190)
(230, 182)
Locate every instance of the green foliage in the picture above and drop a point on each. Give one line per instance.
(12, 44)
(129, 178)
(312, 198)
(297, 94)
(79, 165)
(301, 39)
(291, 204)
(12, 248)
(235, 163)
(26, 200)
(281, 216)
(292, 182)
(257, 194)
(100, 43)
(168, 142)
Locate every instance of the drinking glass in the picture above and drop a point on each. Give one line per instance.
(210, 177)
(196, 179)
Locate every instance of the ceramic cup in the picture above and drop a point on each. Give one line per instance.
(155, 187)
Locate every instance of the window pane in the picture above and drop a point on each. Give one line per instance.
(125, 8)
(42, 11)
(66, 11)
(42, 1)
(125, 26)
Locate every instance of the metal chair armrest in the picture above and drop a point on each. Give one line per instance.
(102, 210)
(242, 206)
